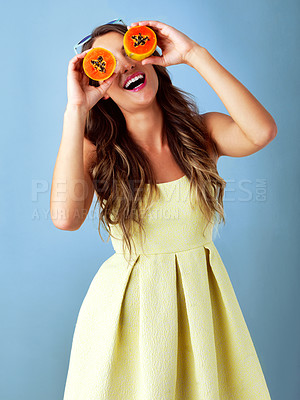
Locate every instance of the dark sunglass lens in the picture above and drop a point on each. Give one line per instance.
(82, 40)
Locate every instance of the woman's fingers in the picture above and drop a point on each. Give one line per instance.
(153, 24)
(158, 60)
(104, 85)
(76, 60)
(79, 56)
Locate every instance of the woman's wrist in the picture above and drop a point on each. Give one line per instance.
(74, 120)
(76, 108)
(195, 50)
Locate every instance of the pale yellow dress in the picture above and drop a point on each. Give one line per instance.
(167, 324)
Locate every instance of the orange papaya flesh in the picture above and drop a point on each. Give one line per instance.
(99, 64)
(139, 42)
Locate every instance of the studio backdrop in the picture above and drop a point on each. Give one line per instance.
(46, 272)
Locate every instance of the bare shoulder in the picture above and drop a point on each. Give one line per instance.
(230, 140)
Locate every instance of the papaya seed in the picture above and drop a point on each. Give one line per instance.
(140, 39)
(99, 64)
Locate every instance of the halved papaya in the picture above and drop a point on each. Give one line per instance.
(139, 42)
(99, 64)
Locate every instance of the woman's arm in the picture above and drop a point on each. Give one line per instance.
(249, 127)
(72, 188)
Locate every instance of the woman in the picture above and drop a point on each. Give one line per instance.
(160, 319)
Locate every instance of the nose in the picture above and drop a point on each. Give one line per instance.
(125, 64)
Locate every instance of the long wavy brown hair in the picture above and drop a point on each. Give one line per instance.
(123, 168)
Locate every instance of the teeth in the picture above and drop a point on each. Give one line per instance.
(133, 80)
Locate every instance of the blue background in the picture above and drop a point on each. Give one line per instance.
(46, 272)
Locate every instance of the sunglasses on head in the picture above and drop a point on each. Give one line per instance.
(87, 38)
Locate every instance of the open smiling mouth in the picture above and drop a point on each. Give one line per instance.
(136, 83)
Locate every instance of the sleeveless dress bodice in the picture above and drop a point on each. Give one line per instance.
(174, 223)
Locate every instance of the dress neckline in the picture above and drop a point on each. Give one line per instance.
(167, 183)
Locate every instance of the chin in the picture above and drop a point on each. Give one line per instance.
(138, 100)
(145, 101)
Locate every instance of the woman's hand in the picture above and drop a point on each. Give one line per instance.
(79, 91)
(174, 44)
